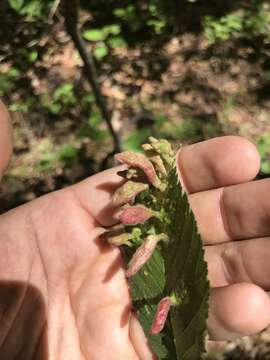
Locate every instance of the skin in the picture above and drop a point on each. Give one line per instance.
(52, 245)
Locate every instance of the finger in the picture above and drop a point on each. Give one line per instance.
(218, 162)
(139, 340)
(238, 310)
(204, 165)
(206, 206)
(95, 194)
(247, 209)
(239, 261)
(5, 138)
(236, 212)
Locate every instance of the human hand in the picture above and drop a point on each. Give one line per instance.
(233, 216)
(52, 246)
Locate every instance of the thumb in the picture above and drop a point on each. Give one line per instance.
(95, 195)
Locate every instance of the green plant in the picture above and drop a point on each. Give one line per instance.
(255, 22)
(263, 146)
(64, 94)
(92, 128)
(185, 130)
(157, 20)
(46, 156)
(62, 97)
(104, 38)
(7, 80)
(19, 106)
(128, 15)
(134, 141)
(102, 33)
(31, 9)
(223, 28)
(165, 267)
(68, 155)
(46, 163)
(100, 51)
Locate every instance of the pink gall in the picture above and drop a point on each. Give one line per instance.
(127, 192)
(141, 255)
(140, 161)
(117, 238)
(134, 215)
(161, 315)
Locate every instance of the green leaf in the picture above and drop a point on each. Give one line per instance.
(18, 107)
(68, 155)
(176, 269)
(265, 166)
(64, 95)
(117, 42)
(32, 56)
(158, 25)
(125, 13)
(100, 52)
(119, 12)
(54, 108)
(113, 29)
(92, 128)
(16, 4)
(33, 9)
(136, 139)
(145, 297)
(94, 35)
(186, 275)
(263, 146)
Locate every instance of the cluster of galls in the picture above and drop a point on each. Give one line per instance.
(143, 172)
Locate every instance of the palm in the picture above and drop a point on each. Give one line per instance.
(79, 276)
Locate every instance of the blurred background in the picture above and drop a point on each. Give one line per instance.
(83, 81)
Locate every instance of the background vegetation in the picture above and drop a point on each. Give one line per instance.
(186, 70)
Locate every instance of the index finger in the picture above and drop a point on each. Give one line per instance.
(218, 162)
(209, 164)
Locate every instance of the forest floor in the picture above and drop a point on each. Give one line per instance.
(186, 90)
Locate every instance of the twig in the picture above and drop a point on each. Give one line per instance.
(71, 9)
(54, 8)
